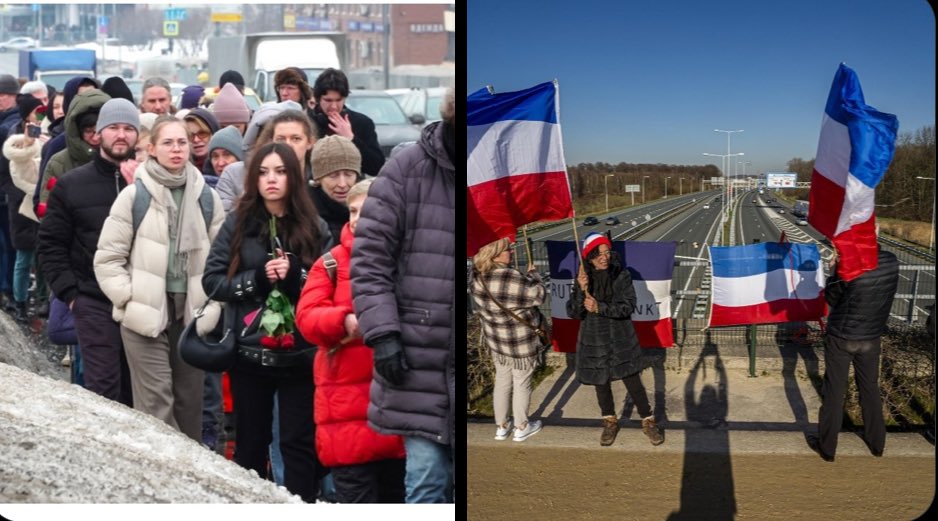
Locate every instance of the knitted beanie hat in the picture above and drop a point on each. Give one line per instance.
(229, 107)
(118, 110)
(8, 84)
(191, 96)
(231, 77)
(26, 103)
(229, 139)
(116, 88)
(261, 116)
(591, 242)
(333, 153)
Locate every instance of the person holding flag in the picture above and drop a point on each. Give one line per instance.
(607, 348)
(508, 307)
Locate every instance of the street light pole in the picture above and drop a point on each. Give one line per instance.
(643, 188)
(726, 160)
(680, 185)
(931, 235)
(607, 191)
(666, 186)
(726, 190)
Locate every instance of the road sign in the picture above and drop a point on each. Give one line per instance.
(632, 188)
(174, 14)
(170, 28)
(226, 17)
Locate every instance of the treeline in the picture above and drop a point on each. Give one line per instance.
(588, 180)
(899, 195)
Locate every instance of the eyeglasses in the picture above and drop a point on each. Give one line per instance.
(202, 135)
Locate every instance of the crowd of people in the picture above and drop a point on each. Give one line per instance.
(140, 219)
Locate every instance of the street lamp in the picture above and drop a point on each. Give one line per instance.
(744, 163)
(931, 235)
(666, 186)
(725, 176)
(607, 190)
(726, 189)
(680, 185)
(643, 188)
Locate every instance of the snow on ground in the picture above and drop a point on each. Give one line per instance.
(60, 443)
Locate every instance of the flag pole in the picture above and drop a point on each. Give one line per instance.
(527, 244)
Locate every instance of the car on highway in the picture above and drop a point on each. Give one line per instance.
(590, 221)
(753, 199)
(802, 222)
(391, 124)
(612, 220)
(706, 207)
(15, 44)
(781, 210)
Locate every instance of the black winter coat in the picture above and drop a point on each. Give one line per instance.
(248, 289)
(366, 138)
(68, 234)
(607, 347)
(859, 308)
(8, 120)
(335, 214)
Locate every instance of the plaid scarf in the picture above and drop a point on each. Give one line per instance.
(511, 342)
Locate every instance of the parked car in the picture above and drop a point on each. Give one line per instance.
(420, 102)
(15, 44)
(612, 220)
(590, 221)
(391, 124)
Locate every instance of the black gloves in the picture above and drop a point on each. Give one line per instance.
(389, 359)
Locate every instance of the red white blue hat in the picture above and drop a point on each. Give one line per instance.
(592, 241)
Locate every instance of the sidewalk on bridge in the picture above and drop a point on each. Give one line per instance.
(701, 397)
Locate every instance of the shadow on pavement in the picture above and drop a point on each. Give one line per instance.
(707, 489)
(568, 373)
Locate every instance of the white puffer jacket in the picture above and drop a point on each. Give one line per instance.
(24, 169)
(132, 270)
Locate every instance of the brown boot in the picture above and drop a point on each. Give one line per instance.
(610, 429)
(651, 429)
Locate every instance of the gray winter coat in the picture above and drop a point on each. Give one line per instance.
(607, 347)
(403, 283)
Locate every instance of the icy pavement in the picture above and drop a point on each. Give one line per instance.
(62, 444)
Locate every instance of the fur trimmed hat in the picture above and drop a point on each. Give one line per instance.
(293, 76)
(591, 242)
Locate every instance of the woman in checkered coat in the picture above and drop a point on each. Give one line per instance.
(508, 302)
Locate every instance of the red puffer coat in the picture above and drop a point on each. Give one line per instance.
(343, 379)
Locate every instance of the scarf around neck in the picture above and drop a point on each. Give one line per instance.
(186, 223)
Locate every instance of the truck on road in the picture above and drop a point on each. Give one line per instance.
(56, 66)
(259, 56)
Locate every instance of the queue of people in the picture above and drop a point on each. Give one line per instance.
(113, 208)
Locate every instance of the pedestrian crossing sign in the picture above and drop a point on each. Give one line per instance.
(170, 28)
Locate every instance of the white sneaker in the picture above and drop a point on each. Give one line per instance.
(67, 359)
(532, 428)
(501, 433)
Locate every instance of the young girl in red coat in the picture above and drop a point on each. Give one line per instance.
(367, 467)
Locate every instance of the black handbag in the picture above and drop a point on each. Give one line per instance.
(218, 351)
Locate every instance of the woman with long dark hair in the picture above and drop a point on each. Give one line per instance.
(607, 348)
(263, 250)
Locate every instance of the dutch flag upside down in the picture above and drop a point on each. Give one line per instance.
(855, 148)
(516, 172)
(766, 283)
(651, 265)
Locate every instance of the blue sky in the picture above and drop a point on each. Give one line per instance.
(645, 81)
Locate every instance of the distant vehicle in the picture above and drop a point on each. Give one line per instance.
(590, 221)
(706, 207)
(781, 210)
(802, 222)
(753, 199)
(612, 220)
(56, 66)
(420, 102)
(391, 124)
(800, 209)
(16, 44)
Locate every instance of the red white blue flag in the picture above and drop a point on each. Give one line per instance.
(516, 172)
(651, 265)
(766, 283)
(855, 148)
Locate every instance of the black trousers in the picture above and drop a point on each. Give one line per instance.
(636, 390)
(838, 355)
(102, 350)
(373, 482)
(253, 393)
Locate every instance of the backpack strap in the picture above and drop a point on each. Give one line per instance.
(142, 204)
(330, 263)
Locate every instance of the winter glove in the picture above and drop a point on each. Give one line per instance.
(389, 359)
